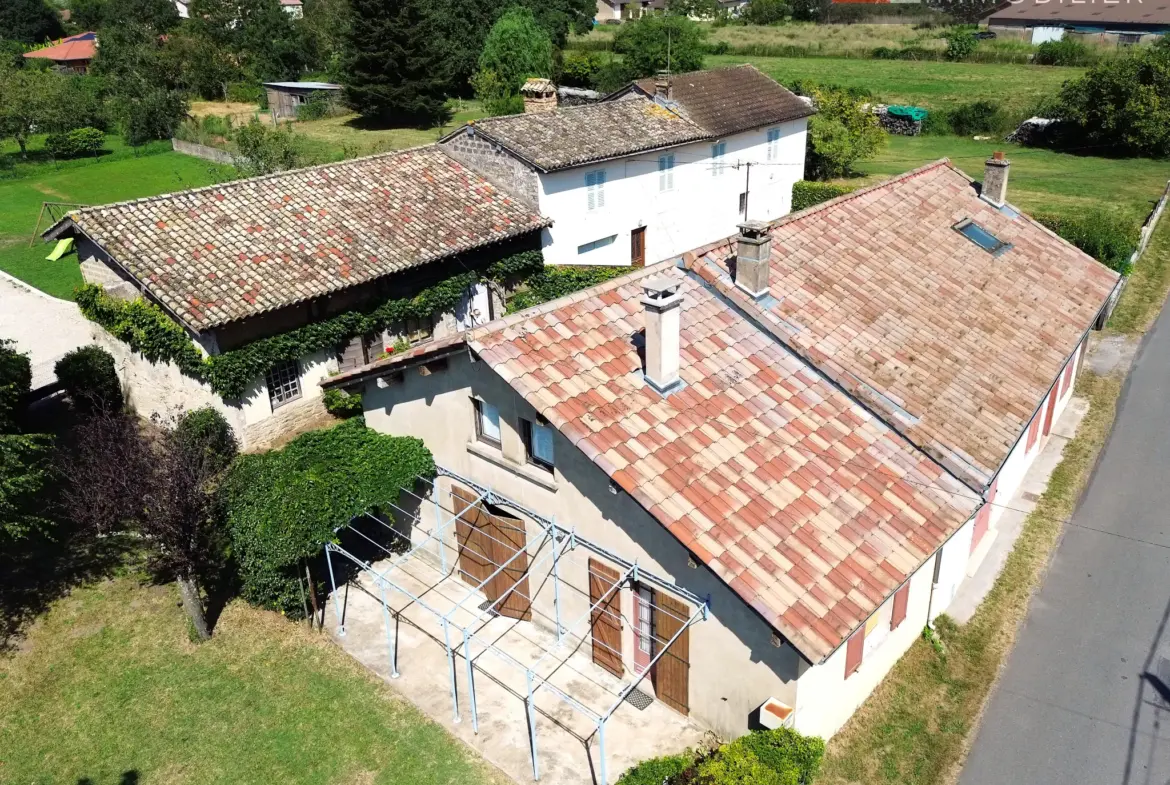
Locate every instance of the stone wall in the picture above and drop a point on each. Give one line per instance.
(202, 151)
(497, 166)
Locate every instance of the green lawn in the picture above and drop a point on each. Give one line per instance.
(108, 683)
(96, 183)
(335, 138)
(934, 85)
(1041, 180)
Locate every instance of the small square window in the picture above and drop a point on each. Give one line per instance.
(538, 441)
(487, 422)
(284, 383)
(981, 237)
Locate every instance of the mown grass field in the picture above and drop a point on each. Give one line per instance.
(107, 688)
(934, 85)
(105, 180)
(1041, 180)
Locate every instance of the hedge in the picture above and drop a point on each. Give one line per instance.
(806, 193)
(281, 507)
(146, 329)
(1108, 237)
(763, 757)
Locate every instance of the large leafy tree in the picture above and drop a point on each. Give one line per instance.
(325, 26)
(516, 48)
(1123, 103)
(840, 134)
(30, 99)
(654, 43)
(257, 35)
(393, 73)
(28, 21)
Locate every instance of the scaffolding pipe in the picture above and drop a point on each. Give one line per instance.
(479, 587)
(557, 549)
(391, 641)
(504, 594)
(532, 726)
(470, 681)
(601, 768)
(601, 600)
(333, 584)
(439, 528)
(451, 668)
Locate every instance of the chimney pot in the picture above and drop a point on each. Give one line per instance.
(663, 86)
(663, 312)
(995, 180)
(753, 258)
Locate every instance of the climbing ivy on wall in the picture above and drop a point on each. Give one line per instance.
(146, 329)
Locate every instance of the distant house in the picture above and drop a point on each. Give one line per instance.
(237, 263)
(1115, 23)
(293, 8)
(71, 54)
(284, 98)
(611, 10)
(654, 169)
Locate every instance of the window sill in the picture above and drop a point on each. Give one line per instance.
(537, 476)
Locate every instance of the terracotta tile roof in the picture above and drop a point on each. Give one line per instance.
(82, 46)
(1031, 13)
(807, 506)
(395, 361)
(576, 135)
(226, 252)
(954, 346)
(726, 101)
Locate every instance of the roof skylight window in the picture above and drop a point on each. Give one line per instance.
(981, 237)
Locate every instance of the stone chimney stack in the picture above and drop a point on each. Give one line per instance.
(995, 179)
(663, 87)
(753, 258)
(540, 95)
(663, 311)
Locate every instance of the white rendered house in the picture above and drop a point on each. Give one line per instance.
(659, 167)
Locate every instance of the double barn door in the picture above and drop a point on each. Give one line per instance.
(488, 538)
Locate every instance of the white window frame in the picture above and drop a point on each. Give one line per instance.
(595, 189)
(718, 152)
(774, 144)
(666, 172)
(531, 431)
(593, 245)
(284, 383)
(485, 422)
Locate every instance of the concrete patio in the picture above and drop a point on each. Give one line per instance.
(567, 743)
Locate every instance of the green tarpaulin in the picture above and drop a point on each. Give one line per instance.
(909, 112)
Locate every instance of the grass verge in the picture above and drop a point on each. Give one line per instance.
(1147, 287)
(108, 683)
(915, 727)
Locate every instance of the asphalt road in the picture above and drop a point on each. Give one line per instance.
(1081, 701)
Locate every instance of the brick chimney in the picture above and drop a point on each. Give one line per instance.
(663, 311)
(663, 86)
(540, 95)
(995, 179)
(753, 257)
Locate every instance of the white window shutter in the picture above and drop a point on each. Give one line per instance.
(601, 188)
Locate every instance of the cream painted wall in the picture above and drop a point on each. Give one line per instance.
(700, 208)
(734, 666)
(826, 699)
(315, 367)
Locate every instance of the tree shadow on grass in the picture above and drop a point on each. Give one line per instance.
(129, 777)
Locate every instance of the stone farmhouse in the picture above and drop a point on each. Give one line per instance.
(808, 424)
(655, 169)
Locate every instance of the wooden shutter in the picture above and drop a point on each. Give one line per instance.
(474, 551)
(1033, 432)
(510, 539)
(1066, 378)
(606, 619)
(672, 672)
(854, 650)
(1050, 412)
(901, 600)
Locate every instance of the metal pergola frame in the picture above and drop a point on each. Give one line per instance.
(563, 542)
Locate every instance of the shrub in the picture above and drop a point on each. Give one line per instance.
(342, 404)
(612, 76)
(961, 43)
(937, 123)
(736, 764)
(79, 141)
(282, 506)
(783, 748)
(651, 42)
(806, 193)
(89, 378)
(1066, 51)
(977, 117)
(208, 429)
(15, 382)
(318, 107)
(554, 282)
(1108, 237)
(718, 48)
(840, 134)
(264, 150)
(580, 69)
(657, 771)
(766, 12)
(246, 92)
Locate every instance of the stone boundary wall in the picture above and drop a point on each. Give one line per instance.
(202, 151)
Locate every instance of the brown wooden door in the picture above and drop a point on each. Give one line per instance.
(672, 672)
(638, 247)
(511, 539)
(473, 548)
(606, 618)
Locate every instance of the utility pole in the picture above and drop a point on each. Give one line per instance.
(747, 189)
